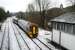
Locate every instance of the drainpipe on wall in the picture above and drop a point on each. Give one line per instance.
(52, 31)
(52, 36)
(60, 36)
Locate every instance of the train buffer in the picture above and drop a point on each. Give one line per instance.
(13, 38)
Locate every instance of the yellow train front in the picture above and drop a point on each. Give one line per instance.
(33, 32)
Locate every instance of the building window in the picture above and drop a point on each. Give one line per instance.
(54, 25)
(69, 28)
(73, 29)
(58, 26)
(62, 26)
(65, 28)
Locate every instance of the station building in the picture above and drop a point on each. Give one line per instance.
(63, 30)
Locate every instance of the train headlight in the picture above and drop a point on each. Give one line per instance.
(34, 30)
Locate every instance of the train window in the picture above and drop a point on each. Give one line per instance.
(34, 29)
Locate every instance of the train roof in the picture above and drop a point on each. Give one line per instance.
(66, 18)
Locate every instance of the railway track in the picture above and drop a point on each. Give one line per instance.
(21, 37)
(16, 38)
(4, 43)
(28, 37)
(43, 43)
(8, 39)
(3, 37)
(35, 41)
(51, 47)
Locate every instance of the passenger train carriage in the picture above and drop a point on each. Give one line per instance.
(30, 28)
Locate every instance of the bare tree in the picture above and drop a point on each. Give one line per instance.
(43, 5)
(72, 1)
(30, 8)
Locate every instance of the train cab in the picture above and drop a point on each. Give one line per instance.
(33, 33)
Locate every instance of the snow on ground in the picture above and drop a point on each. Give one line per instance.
(16, 42)
(1, 34)
(17, 39)
(21, 41)
(28, 41)
(5, 42)
(41, 45)
(13, 40)
(42, 32)
(44, 35)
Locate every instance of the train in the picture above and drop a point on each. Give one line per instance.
(30, 28)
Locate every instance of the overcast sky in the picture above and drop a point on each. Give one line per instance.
(21, 5)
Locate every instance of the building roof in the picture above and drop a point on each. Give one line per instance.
(67, 18)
